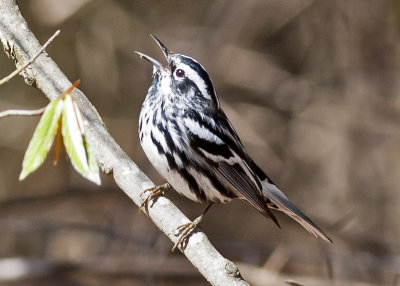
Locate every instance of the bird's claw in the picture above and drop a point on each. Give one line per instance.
(154, 192)
(185, 231)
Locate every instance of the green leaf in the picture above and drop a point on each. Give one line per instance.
(42, 139)
(75, 142)
(93, 172)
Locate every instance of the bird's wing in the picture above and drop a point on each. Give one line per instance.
(217, 145)
(223, 151)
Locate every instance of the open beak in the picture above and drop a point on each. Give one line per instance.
(156, 64)
(164, 49)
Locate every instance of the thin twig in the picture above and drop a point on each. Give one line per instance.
(31, 60)
(18, 112)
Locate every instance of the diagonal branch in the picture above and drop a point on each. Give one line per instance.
(20, 44)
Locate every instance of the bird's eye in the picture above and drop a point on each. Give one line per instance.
(180, 73)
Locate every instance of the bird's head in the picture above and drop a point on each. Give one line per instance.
(183, 75)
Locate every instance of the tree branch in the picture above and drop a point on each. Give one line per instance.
(17, 112)
(20, 44)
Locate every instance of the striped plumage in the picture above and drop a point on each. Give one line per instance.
(192, 144)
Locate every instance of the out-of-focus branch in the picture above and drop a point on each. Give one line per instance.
(17, 112)
(20, 44)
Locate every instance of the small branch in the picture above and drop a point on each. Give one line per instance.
(17, 112)
(32, 59)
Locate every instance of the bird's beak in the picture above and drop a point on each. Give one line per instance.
(164, 49)
(156, 64)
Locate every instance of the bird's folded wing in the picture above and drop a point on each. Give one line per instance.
(232, 171)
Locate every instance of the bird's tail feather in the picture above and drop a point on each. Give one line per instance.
(280, 202)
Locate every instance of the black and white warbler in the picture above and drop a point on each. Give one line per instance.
(192, 144)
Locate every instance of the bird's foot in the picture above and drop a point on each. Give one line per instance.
(154, 192)
(184, 232)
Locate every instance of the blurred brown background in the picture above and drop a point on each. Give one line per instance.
(312, 88)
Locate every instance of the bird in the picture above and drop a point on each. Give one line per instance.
(190, 141)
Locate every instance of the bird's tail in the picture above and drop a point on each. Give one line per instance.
(277, 200)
